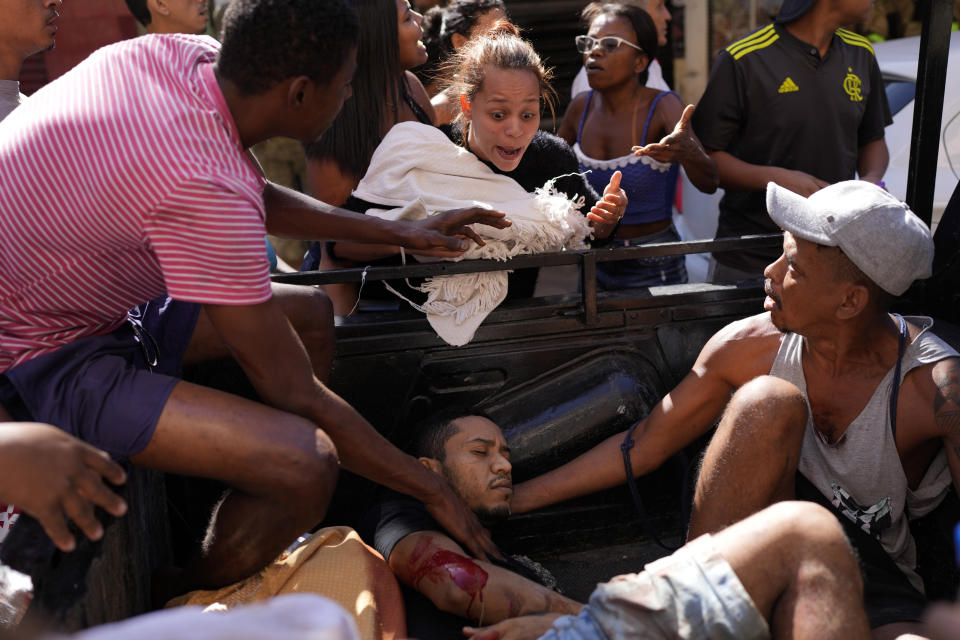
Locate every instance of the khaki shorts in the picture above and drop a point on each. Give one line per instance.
(693, 593)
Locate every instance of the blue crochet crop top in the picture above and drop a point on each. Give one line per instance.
(650, 185)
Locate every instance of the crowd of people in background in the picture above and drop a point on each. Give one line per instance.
(147, 253)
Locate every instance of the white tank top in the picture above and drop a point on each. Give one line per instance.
(861, 474)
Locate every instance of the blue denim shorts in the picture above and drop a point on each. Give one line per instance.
(107, 390)
(691, 594)
(643, 272)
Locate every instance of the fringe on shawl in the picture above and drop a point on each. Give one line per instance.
(562, 227)
(464, 295)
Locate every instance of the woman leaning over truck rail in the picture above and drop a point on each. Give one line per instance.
(501, 85)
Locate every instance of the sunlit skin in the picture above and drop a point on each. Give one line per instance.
(606, 69)
(477, 465)
(193, 14)
(411, 52)
(502, 119)
(787, 276)
(445, 102)
(802, 286)
(503, 116)
(818, 24)
(661, 18)
(31, 27)
(619, 107)
(177, 16)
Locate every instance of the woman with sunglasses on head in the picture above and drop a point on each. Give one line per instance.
(385, 92)
(610, 128)
(500, 86)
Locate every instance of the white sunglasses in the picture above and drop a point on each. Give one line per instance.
(609, 44)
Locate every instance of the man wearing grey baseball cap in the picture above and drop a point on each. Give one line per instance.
(834, 398)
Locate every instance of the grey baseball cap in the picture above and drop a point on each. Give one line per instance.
(887, 241)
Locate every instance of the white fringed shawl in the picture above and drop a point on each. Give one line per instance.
(418, 170)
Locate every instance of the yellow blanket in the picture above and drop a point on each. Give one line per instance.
(333, 562)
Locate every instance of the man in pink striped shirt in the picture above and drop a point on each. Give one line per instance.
(126, 181)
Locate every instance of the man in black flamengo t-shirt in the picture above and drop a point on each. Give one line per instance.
(799, 102)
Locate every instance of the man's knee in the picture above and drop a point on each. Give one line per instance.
(806, 524)
(771, 394)
(771, 404)
(308, 308)
(303, 471)
(814, 537)
(317, 476)
(319, 308)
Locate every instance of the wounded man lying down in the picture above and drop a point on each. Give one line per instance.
(751, 580)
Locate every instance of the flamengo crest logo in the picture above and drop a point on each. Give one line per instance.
(851, 84)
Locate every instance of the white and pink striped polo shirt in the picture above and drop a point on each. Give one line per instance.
(122, 180)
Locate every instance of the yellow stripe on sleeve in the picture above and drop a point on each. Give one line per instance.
(773, 37)
(749, 40)
(855, 39)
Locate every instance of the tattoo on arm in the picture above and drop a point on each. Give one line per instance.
(946, 405)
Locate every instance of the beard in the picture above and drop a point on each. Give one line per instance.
(493, 515)
(486, 515)
(778, 306)
(783, 329)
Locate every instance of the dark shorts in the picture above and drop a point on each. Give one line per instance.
(107, 390)
(888, 595)
(643, 272)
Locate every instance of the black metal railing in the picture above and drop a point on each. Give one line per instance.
(587, 259)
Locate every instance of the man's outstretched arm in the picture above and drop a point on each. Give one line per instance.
(437, 567)
(259, 337)
(291, 214)
(736, 354)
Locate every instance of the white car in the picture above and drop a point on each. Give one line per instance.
(898, 65)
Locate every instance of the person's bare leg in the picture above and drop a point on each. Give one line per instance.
(281, 469)
(798, 567)
(310, 313)
(752, 459)
(343, 296)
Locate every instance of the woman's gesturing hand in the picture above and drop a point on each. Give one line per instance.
(607, 213)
